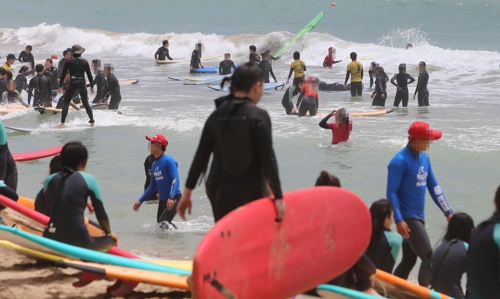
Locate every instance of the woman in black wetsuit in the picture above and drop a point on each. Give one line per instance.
(401, 81)
(379, 95)
(266, 67)
(67, 194)
(421, 89)
(239, 136)
(77, 67)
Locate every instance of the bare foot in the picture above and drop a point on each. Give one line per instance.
(60, 126)
(92, 124)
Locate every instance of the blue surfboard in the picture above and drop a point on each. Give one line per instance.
(207, 70)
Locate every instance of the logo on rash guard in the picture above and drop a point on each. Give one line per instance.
(158, 174)
(421, 177)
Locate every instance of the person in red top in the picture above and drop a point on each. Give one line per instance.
(330, 58)
(308, 98)
(341, 128)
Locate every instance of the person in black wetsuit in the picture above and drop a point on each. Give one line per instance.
(147, 169)
(40, 88)
(196, 58)
(40, 202)
(98, 80)
(77, 67)
(239, 135)
(162, 52)
(421, 89)
(373, 65)
(253, 58)
(51, 71)
(27, 56)
(449, 259)
(112, 88)
(8, 169)
(3, 80)
(401, 81)
(266, 68)
(21, 81)
(226, 65)
(67, 193)
(287, 100)
(336, 86)
(66, 56)
(11, 95)
(379, 95)
(483, 257)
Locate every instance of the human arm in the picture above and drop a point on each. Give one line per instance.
(89, 75)
(418, 86)
(289, 75)
(437, 194)
(3, 152)
(96, 200)
(49, 87)
(324, 122)
(370, 73)
(336, 61)
(347, 74)
(30, 90)
(232, 65)
(410, 78)
(63, 74)
(396, 169)
(362, 72)
(272, 73)
(393, 80)
(220, 67)
(168, 54)
(157, 53)
(172, 170)
(149, 191)
(21, 55)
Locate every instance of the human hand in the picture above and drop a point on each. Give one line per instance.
(333, 112)
(90, 206)
(294, 111)
(185, 203)
(287, 81)
(280, 206)
(170, 204)
(403, 229)
(414, 96)
(137, 205)
(114, 236)
(372, 95)
(382, 96)
(345, 87)
(92, 90)
(448, 218)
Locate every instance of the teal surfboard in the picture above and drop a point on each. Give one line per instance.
(46, 245)
(336, 292)
(301, 33)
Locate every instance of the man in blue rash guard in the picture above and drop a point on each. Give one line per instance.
(166, 181)
(410, 173)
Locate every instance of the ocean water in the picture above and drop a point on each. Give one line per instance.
(457, 39)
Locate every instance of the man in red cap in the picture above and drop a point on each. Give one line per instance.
(165, 180)
(330, 58)
(410, 174)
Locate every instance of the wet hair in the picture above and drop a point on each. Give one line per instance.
(353, 55)
(66, 52)
(244, 78)
(9, 75)
(402, 67)
(46, 73)
(29, 47)
(39, 68)
(55, 165)
(460, 227)
(326, 179)
(73, 155)
(228, 55)
(165, 42)
(198, 45)
(296, 55)
(379, 210)
(49, 60)
(23, 69)
(253, 48)
(96, 61)
(2, 71)
(422, 63)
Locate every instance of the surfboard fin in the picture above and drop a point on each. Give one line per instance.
(223, 290)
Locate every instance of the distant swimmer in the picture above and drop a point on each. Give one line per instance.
(162, 52)
(355, 70)
(41, 204)
(408, 45)
(21, 81)
(111, 88)
(66, 56)
(196, 58)
(287, 100)
(330, 58)
(51, 71)
(266, 68)
(67, 193)
(165, 180)
(8, 169)
(421, 89)
(297, 68)
(40, 89)
(98, 80)
(77, 67)
(401, 81)
(341, 128)
(148, 163)
(27, 56)
(308, 100)
(379, 95)
(11, 58)
(253, 58)
(227, 65)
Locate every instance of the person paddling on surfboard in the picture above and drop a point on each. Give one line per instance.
(77, 67)
(341, 128)
(166, 181)
(162, 52)
(67, 193)
(239, 135)
(330, 58)
(409, 175)
(196, 58)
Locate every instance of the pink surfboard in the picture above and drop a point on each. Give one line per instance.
(27, 156)
(249, 255)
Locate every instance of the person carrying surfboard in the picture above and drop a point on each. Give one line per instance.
(166, 181)
(330, 58)
(355, 71)
(162, 52)
(239, 135)
(67, 193)
(409, 175)
(341, 128)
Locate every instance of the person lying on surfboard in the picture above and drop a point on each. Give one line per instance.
(341, 128)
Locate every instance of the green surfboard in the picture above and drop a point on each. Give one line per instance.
(301, 33)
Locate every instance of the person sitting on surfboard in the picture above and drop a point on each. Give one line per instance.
(226, 65)
(41, 205)
(341, 128)
(162, 52)
(449, 260)
(166, 181)
(330, 58)
(287, 100)
(196, 59)
(355, 70)
(409, 175)
(40, 89)
(308, 100)
(239, 135)
(111, 88)
(67, 193)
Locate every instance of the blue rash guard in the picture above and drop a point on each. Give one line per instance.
(166, 179)
(409, 175)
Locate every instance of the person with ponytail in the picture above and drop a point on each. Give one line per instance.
(384, 245)
(449, 259)
(67, 193)
(239, 136)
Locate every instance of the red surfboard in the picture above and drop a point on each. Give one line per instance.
(249, 255)
(20, 157)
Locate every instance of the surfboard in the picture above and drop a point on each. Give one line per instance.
(98, 107)
(7, 110)
(187, 59)
(267, 86)
(310, 26)
(207, 70)
(207, 82)
(25, 130)
(314, 243)
(336, 292)
(395, 287)
(369, 113)
(13, 219)
(35, 155)
(16, 67)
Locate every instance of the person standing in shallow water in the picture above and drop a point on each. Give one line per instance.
(421, 89)
(401, 81)
(239, 136)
